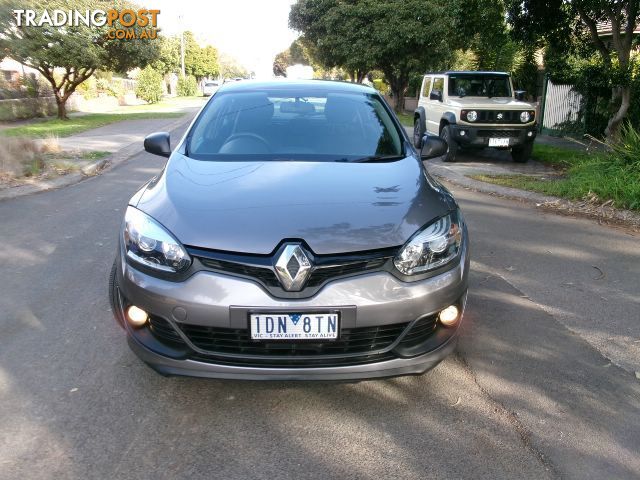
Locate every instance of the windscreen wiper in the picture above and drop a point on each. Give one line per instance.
(378, 158)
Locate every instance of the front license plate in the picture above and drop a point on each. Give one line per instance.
(498, 142)
(294, 326)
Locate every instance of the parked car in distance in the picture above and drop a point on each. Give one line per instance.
(209, 87)
(475, 110)
(293, 234)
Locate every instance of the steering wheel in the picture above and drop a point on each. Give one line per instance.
(232, 141)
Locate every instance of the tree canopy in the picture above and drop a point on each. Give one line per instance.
(68, 56)
(557, 22)
(399, 38)
(200, 61)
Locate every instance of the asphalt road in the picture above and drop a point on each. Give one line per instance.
(543, 385)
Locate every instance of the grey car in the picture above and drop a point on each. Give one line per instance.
(293, 234)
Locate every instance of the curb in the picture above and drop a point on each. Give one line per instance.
(91, 170)
(601, 213)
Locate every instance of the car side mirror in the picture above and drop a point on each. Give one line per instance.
(158, 143)
(519, 94)
(435, 95)
(432, 147)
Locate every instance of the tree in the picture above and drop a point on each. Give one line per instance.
(554, 21)
(149, 86)
(296, 54)
(68, 56)
(168, 59)
(230, 68)
(199, 62)
(399, 38)
(335, 34)
(281, 61)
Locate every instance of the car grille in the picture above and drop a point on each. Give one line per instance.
(499, 133)
(354, 346)
(327, 268)
(491, 116)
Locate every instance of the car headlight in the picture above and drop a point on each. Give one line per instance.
(150, 244)
(472, 116)
(434, 246)
(525, 117)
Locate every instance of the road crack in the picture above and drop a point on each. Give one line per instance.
(511, 417)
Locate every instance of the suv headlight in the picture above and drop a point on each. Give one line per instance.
(472, 116)
(525, 117)
(150, 244)
(434, 246)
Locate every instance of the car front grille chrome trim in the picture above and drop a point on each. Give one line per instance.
(262, 268)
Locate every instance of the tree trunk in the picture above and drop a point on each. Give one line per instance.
(62, 107)
(398, 84)
(613, 127)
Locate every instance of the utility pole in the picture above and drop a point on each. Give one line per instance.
(180, 18)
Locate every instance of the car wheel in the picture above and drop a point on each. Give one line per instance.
(114, 294)
(522, 154)
(452, 150)
(417, 133)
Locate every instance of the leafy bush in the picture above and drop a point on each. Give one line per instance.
(88, 88)
(187, 86)
(627, 149)
(149, 86)
(379, 85)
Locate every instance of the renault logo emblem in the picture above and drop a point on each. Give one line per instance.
(293, 267)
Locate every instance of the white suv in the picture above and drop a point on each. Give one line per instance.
(475, 110)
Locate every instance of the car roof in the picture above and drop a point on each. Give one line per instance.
(481, 72)
(285, 84)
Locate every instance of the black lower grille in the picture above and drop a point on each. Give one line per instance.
(162, 330)
(237, 341)
(499, 133)
(420, 331)
(355, 346)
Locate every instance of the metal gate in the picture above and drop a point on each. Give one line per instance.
(561, 110)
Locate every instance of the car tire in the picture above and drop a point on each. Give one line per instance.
(417, 133)
(452, 150)
(522, 154)
(114, 294)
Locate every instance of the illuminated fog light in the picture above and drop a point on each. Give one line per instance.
(449, 316)
(137, 317)
(530, 134)
(462, 133)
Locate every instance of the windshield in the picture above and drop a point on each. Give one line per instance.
(282, 124)
(470, 85)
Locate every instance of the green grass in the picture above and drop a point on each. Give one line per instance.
(64, 128)
(595, 177)
(560, 157)
(167, 104)
(406, 119)
(93, 154)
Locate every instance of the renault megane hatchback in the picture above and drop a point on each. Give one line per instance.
(294, 233)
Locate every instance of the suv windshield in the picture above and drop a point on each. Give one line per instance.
(479, 85)
(290, 124)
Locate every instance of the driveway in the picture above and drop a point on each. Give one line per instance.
(543, 385)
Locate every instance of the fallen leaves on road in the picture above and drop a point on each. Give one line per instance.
(602, 274)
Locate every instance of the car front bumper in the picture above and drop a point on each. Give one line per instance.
(478, 136)
(219, 301)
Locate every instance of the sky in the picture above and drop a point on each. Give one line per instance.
(251, 31)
